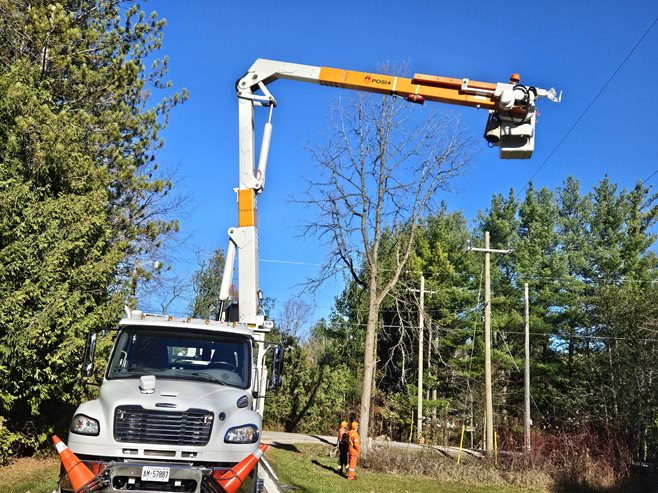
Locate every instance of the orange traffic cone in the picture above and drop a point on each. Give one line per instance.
(233, 478)
(81, 478)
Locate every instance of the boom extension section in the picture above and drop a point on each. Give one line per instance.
(510, 126)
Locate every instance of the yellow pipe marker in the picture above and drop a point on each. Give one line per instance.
(496, 447)
(461, 442)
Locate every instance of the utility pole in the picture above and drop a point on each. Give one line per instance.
(526, 416)
(421, 324)
(432, 343)
(488, 419)
(429, 356)
(421, 330)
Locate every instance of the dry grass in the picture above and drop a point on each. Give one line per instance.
(433, 463)
(573, 472)
(30, 475)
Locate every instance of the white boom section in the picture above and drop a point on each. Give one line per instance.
(245, 236)
(261, 73)
(252, 181)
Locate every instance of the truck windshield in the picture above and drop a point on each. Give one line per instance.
(211, 357)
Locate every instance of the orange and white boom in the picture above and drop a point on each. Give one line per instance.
(510, 126)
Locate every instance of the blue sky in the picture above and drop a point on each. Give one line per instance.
(573, 46)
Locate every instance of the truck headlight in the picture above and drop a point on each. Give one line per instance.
(242, 434)
(84, 425)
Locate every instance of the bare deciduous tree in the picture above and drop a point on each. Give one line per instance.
(294, 317)
(206, 282)
(378, 176)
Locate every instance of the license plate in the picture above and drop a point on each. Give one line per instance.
(152, 473)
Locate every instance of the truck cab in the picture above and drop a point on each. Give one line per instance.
(176, 407)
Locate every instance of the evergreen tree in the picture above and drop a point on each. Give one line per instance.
(80, 197)
(206, 283)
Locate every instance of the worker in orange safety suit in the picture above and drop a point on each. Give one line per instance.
(342, 446)
(354, 448)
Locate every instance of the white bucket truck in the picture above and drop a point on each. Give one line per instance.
(177, 405)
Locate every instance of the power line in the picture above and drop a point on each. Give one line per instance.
(590, 282)
(566, 337)
(469, 392)
(590, 105)
(591, 337)
(532, 278)
(289, 262)
(649, 177)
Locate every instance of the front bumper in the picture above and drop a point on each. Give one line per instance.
(120, 477)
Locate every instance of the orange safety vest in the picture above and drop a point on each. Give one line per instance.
(354, 443)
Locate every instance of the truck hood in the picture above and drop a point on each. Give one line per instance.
(218, 402)
(176, 394)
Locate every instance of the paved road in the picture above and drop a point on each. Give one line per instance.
(274, 437)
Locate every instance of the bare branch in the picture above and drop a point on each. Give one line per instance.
(377, 178)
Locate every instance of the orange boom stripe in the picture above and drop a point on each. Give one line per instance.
(445, 90)
(246, 208)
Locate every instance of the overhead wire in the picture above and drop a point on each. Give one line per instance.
(588, 337)
(650, 176)
(570, 336)
(287, 262)
(525, 279)
(470, 359)
(590, 282)
(584, 112)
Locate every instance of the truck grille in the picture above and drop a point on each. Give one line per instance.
(139, 425)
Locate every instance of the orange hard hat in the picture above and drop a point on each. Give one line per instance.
(355, 425)
(343, 424)
(515, 78)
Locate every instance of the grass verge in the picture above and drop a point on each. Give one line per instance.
(29, 475)
(310, 469)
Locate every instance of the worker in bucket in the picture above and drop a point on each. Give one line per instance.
(342, 446)
(354, 448)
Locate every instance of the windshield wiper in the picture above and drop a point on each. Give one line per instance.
(138, 370)
(208, 376)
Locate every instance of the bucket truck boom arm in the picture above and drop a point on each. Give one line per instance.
(510, 126)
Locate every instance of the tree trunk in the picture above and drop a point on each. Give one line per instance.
(369, 365)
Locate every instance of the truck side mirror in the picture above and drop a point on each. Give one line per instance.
(88, 359)
(277, 368)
